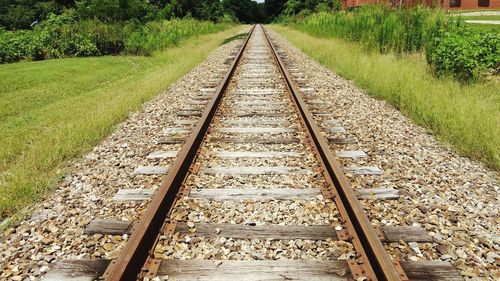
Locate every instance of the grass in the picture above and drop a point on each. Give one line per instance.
(485, 27)
(452, 47)
(379, 27)
(53, 111)
(483, 17)
(494, 28)
(458, 11)
(466, 116)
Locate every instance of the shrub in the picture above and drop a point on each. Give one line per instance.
(14, 46)
(109, 38)
(62, 37)
(116, 10)
(378, 27)
(67, 36)
(464, 53)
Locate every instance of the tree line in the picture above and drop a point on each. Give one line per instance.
(23, 14)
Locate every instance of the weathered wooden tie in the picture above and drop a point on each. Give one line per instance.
(151, 170)
(255, 270)
(249, 170)
(257, 194)
(388, 234)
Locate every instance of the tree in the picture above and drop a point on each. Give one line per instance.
(20, 14)
(199, 9)
(247, 11)
(294, 7)
(115, 10)
(274, 8)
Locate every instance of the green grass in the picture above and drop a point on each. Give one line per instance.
(485, 27)
(466, 116)
(483, 17)
(473, 11)
(53, 111)
(495, 28)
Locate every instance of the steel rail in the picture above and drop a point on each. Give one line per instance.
(137, 250)
(370, 250)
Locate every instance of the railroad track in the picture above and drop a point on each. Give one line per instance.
(255, 192)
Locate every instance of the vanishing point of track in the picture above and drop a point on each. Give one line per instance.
(258, 105)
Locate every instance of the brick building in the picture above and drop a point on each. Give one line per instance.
(445, 4)
(470, 4)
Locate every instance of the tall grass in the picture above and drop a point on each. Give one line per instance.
(470, 54)
(155, 36)
(378, 27)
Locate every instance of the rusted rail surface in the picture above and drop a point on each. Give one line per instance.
(144, 234)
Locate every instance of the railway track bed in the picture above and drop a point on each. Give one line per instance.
(256, 178)
(254, 193)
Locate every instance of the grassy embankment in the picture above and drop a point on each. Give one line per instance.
(466, 116)
(52, 111)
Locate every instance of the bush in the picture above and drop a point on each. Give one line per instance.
(464, 53)
(15, 46)
(109, 38)
(116, 10)
(62, 37)
(66, 36)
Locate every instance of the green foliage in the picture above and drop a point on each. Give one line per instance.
(451, 47)
(116, 10)
(156, 36)
(247, 11)
(378, 27)
(13, 45)
(464, 53)
(66, 36)
(204, 10)
(20, 14)
(23, 14)
(274, 8)
(109, 38)
(61, 36)
(295, 7)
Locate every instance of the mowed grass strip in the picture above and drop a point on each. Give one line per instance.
(466, 116)
(482, 17)
(52, 111)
